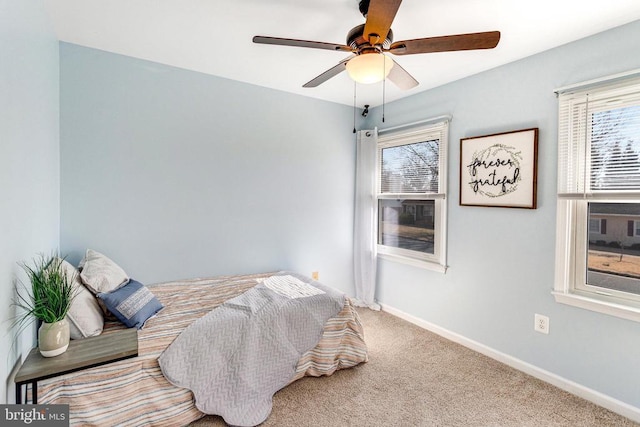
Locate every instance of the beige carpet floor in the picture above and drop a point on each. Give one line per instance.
(416, 378)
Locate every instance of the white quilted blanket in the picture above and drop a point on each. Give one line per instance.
(239, 355)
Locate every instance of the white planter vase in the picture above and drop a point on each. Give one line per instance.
(53, 338)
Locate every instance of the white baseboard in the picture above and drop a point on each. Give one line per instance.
(574, 388)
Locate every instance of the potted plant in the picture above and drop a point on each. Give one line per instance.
(49, 301)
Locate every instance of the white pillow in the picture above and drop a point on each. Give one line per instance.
(100, 274)
(84, 316)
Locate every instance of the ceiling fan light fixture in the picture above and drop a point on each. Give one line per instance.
(369, 67)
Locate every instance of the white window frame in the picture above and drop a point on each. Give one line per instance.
(427, 130)
(572, 226)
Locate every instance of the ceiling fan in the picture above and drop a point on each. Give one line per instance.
(369, 42)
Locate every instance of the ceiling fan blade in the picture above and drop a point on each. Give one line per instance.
(331, 72)
(401, 78)
(300, 43)
(379, 18)
(486, 40)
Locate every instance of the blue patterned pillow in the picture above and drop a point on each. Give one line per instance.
(132, 303)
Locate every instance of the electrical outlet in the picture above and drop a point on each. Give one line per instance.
(315, 275)
(541, 324)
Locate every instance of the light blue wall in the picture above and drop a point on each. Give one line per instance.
(502, 260)
(176, 174)
(29, 159)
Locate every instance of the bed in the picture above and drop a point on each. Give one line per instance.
(135, 392)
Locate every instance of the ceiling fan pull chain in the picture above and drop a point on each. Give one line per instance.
(384, 84)
(354, 107)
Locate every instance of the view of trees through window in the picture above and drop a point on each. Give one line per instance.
(613, 259)
(408, 169)
(615, 149)
(411, 168)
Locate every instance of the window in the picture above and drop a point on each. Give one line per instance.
(598, 227)
(411, 177)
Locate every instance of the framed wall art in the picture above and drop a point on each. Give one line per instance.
(500, 170)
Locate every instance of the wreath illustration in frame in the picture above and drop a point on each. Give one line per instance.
(499, 170)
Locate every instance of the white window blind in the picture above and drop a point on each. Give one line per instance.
(599, 142)
(411, 162)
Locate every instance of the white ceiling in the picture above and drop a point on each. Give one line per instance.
(215, 36)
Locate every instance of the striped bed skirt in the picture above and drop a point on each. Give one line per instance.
(134, 392)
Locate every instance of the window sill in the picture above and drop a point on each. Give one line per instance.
(600, 306)
(427, 265)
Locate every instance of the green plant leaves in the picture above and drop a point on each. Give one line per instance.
(51, 291)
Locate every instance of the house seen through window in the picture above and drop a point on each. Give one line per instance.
(613, 258)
